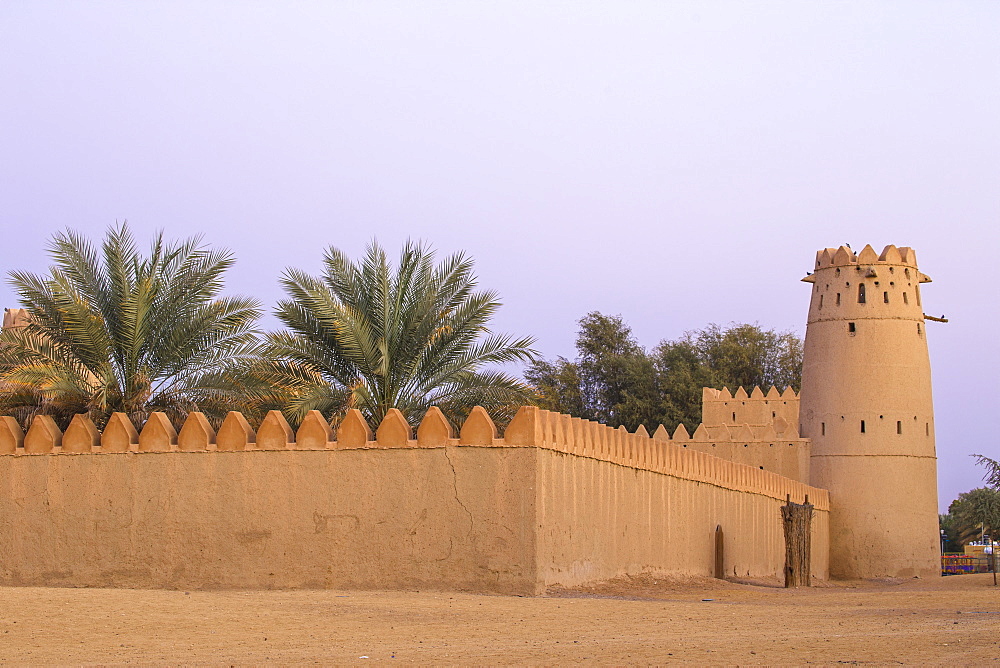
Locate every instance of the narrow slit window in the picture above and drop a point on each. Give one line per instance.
(927, 428)
(906, 299)
(899, 426)
(734, 417)
(862, 426)
(822, 429)
(885, 297)
(861, 293)
(918, 329)
(852, 328)
(838, 299)
(821, 301)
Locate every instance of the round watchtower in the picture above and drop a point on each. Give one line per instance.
(866, 406)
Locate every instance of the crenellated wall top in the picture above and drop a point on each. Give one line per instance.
(867, 260)
(531, 427)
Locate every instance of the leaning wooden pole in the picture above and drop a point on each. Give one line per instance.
(797, 520)
(720, 569)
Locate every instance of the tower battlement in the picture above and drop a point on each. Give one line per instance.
(722, 407)
(845, 256)
(862, 286)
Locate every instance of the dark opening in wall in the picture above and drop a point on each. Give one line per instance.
(918, 329)
(734, 417)
(885, 297)
(927, 428)
(906, 300)
(822, 429)
(899, 426)
(861, 293)
(852, 328)
(838, 299)
(862, 426)
(821, 301)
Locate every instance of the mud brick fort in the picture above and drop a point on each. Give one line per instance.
(555, 500)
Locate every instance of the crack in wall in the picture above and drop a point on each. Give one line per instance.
(454, 483)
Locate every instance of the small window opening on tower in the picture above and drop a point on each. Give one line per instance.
(891, 270)
(773, 414)
(861, 293)
(734, 417)
(852, 328)
(862, 426)
(821, 301)
(919, 333)
(899, 426)
(761, 468)
(885, 297)
(927, 428)
(822, 429)
(906, 299)
(838, 299)
(907, 272)
(838, 271)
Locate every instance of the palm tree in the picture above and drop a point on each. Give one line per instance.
(992, 475)
(118, 331)
(369, 336)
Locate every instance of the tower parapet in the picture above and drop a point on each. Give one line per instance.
(757, 408)
(853, 287)
(866, 406)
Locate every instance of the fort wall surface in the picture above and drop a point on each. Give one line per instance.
(558, 501)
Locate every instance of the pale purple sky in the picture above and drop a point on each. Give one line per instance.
(677, 163)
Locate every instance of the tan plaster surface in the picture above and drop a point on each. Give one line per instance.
(383, 519)
(468, 518)
(598, 521)
(945, 621)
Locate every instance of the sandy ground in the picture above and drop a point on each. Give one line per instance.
(954, 620)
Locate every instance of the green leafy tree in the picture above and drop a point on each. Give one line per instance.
(744, 355)
(681, 374)
(973, 514)
(115, 330)
(612, 380)
(557, 385)
(615, 381)
(371, 336)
